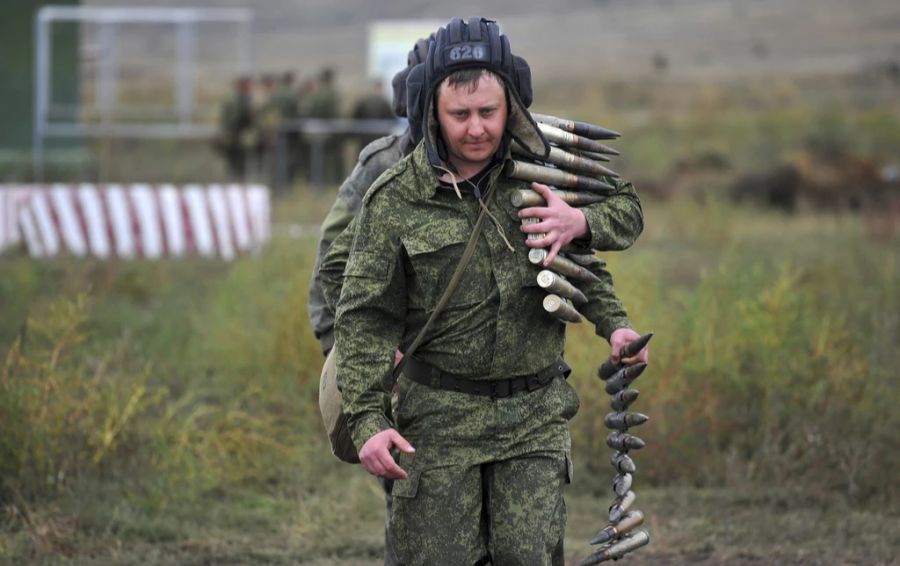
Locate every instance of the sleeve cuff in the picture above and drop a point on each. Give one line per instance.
(367, 426)
(611, 326)
(326, 341)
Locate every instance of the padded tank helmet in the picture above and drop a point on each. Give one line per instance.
(477, 43)
(415, 56)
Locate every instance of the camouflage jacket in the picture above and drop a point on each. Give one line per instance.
(614, 224)
(376, 158)
(408, 240)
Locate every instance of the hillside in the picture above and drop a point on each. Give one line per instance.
(570, 38)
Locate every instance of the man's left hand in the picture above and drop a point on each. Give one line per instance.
(619, 338)
(559, 222)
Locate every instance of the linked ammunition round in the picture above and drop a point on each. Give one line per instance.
(525, 171)
(564, 138)
(578, 164)
(620, 506)
(618, 549)
(583, 259)
(590, 155)
(622, 483)
(621, 400)
(572, 270)
(623, 463)
(627, 524)
(537, 255)
(570, 161)
(624, 377)
(563, 265)
(533, 235)
(623, 442)
(559, 308)
(609, 367)
(585, 129)
(554, 283)
(623, 421)
(521, 198)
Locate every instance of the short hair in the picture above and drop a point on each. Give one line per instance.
(469, 78)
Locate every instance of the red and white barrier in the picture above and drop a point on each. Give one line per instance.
(141, 221)
(11, 199)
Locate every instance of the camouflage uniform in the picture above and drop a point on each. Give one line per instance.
(613, 224)
(287, 102)
(487, 475)
(374, 159)
(235, 125)
(325, 103)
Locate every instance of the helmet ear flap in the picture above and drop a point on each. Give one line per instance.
(398, 87)
(522, 79)
(415, 99)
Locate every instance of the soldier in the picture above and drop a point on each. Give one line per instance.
(372, 106)
(287, 104)
(304, 95)
(236, 128)
(374, 159)
(324, 103)
(268, 118)
(617, 221)
(482, 399)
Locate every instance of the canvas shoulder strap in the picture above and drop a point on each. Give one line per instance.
(448, 292)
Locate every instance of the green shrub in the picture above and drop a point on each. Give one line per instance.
(65, 416)
(764, 368)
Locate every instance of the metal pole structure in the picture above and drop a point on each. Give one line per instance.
(185, 60)
(108, 125)
(108, 92)
(41, 88)
(245, 49)
(106, 75)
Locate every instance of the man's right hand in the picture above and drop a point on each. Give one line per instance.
(375, 454)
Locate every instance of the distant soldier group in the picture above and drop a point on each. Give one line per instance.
(252, 115)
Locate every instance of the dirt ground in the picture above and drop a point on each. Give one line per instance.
(727, 527)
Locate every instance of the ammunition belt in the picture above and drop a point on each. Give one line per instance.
(426, 374)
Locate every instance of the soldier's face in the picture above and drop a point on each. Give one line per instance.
(472, 121)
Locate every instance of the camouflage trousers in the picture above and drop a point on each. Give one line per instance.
(501, 513)
(390, 555)
(485, 485)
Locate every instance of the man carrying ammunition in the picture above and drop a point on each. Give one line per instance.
(482, 398)
(613, 224)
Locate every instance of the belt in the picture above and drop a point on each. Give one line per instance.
(426, 374)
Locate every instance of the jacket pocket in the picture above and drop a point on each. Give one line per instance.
(434, 250)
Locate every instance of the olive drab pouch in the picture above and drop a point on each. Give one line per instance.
(333, 416)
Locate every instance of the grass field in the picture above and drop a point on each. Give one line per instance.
(166, 412)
